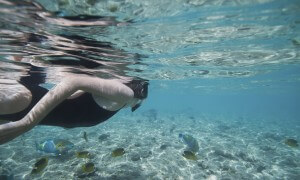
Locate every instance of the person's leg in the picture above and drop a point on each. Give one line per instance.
(13, 97)
(18, 98)
(110, 89)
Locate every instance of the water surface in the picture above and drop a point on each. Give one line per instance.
(226, 72)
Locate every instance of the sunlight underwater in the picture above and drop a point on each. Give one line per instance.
(223, 96)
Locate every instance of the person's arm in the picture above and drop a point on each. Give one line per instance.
(110, 89)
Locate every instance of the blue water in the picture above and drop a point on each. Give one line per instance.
(225, 72)
(274, 99)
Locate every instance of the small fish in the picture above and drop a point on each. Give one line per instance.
(190, 155)
(296, 41)
(190, 141)
(103, 137)
(113, 8)
(55, 146)
(118, 152)
(85, 136)
(163, 147)
(39, 165)
(88, 168)
(291, 142)
(172, 128)
(83, 154)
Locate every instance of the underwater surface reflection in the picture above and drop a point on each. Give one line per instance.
(224, 96)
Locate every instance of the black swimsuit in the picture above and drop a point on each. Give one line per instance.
(82, 111)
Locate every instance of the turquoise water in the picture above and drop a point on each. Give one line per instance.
(225, 72)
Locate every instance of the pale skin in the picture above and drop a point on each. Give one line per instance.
(109, 94)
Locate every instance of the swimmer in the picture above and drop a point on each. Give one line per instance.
(78, 100)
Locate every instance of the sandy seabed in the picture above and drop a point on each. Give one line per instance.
(231, 147)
